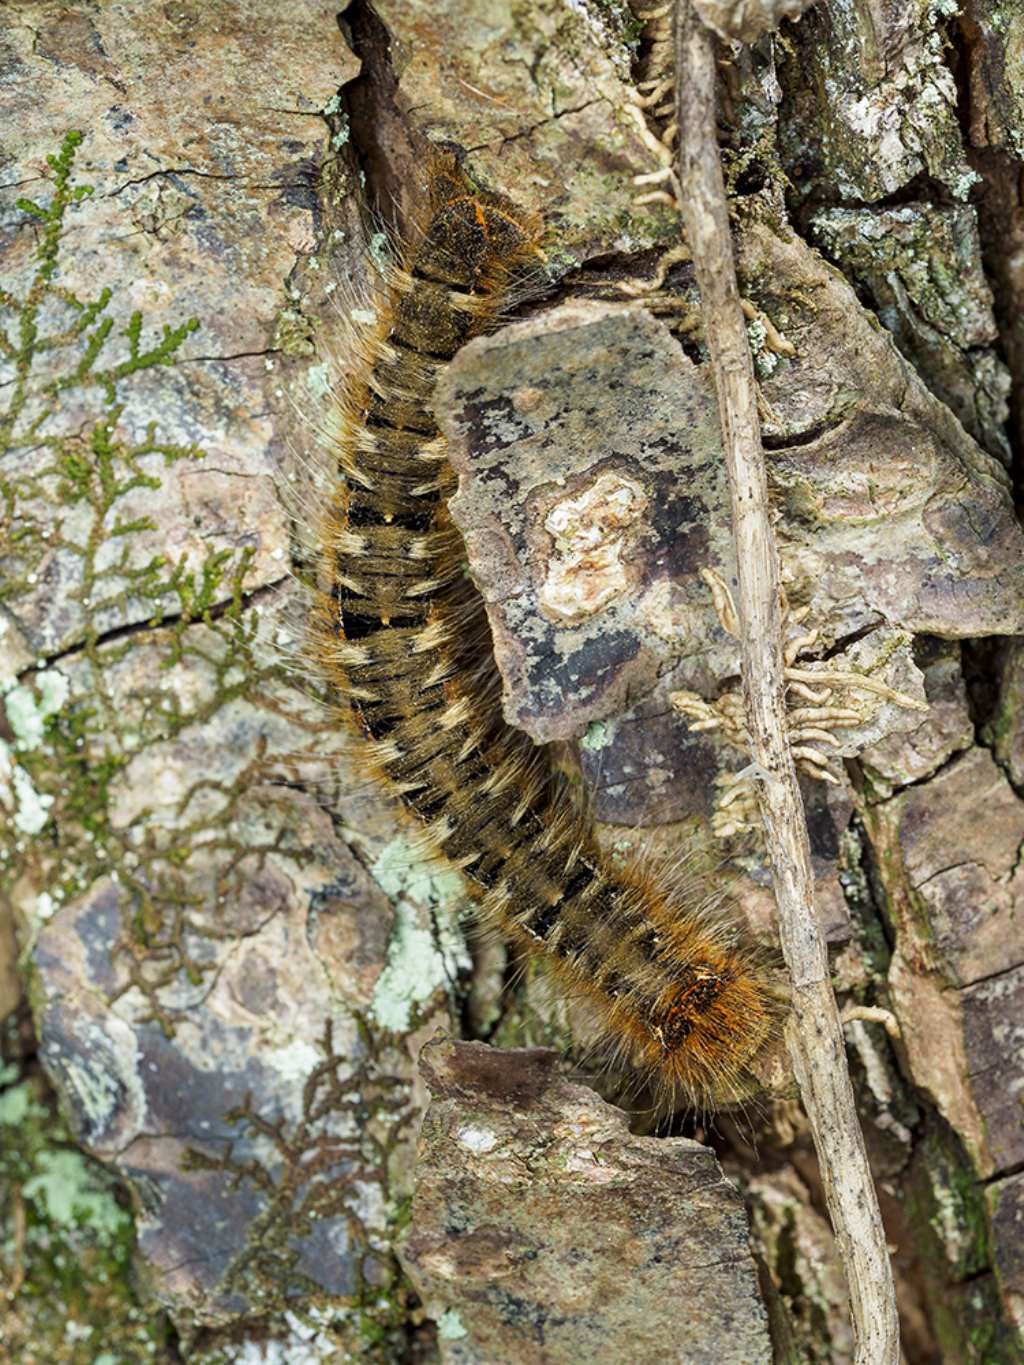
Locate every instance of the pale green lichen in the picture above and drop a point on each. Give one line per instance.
(318, 380)
(427, 949)
(67, 1235)
(960, 186)
(28, 708)
(100, 1090)
(379, 248)
(343, 134)
(65, 1186)
(450, 1326)
(413, 972)
(599, 734)
(15, 1103)
(765, 359)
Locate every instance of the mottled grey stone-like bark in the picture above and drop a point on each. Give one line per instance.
(509, 1154)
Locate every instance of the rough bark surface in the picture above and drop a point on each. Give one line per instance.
(217, 947)
(503, 1260)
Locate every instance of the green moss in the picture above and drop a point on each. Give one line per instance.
(354, 1115)
(75, 729)
(970, 1325)
(294, 333)
(78, 723)
(64, 491)
(946, 1207)
(66, 1241)
(86, 326)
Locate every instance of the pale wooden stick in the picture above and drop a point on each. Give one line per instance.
(814, 1033)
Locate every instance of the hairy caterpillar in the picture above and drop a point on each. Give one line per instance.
(401, 634)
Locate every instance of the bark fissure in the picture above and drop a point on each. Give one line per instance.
(131, 629)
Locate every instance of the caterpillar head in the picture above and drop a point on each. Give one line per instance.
(475, 236)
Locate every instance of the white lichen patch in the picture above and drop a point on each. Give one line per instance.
(28, 708)
(476, 1139)
(592, 533)
(367, 1203)
(32, 807)
(294, 1060)
(46, 906)
(427, 949)
(303, 1344)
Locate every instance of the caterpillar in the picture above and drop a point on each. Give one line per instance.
(402, 638)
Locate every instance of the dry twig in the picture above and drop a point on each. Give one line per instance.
(814, 1034)
(873, 1014)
